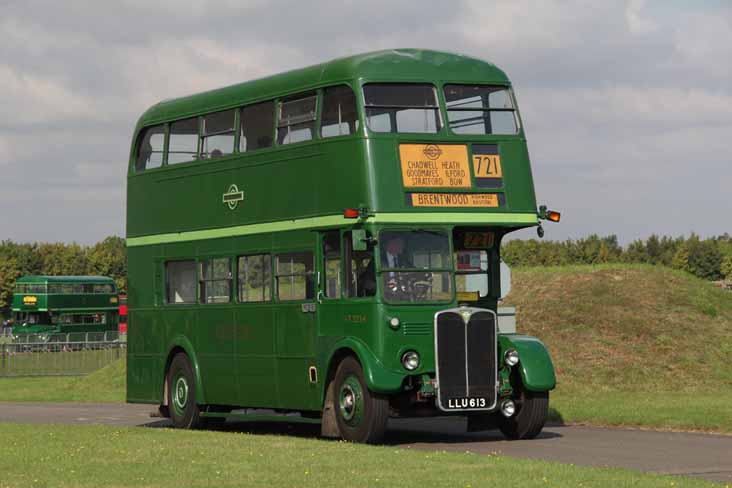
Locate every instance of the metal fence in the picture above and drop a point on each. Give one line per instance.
(51, 356)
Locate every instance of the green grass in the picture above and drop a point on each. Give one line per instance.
(57, 362)
(97, 456)
(705, 411)
(104, 385)
(632, 344)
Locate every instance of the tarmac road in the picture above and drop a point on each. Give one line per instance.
(705, 456)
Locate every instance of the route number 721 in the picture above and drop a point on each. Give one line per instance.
(487, 166)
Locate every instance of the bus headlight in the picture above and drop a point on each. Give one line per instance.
(394, 323)
(511, 357)
(410, 360)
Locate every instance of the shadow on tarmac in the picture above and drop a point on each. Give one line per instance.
(400, 431)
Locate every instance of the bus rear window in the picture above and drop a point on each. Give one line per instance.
(480, 109)
(402, 107)
(150, 150)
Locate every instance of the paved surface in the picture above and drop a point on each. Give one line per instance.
(701, 455)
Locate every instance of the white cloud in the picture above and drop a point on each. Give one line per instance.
(29, 99)
(637, 22)
(624, 102)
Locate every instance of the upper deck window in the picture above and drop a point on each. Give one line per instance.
(402, 107)
(217, 134)
(339, 117)
(150, 151)
(183, 145)
(257, 124)
(296, 122)
(480, 109)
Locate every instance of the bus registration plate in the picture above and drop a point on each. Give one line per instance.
(463, 403)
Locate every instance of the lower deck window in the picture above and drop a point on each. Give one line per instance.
(295, 276)
(180, 282)
(255, 276)
(82, 318)
(215, 281)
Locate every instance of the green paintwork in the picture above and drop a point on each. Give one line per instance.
(379, 378)
(258, 354)
(535, 364)
(61, 303)
(332, 221)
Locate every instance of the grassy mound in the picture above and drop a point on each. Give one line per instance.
(628, 327)
(632, 344)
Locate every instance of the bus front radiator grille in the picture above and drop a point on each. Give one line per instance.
(466, 359)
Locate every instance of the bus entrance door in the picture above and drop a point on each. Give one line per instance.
(296, 319)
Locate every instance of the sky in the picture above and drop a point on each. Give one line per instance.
(627, 105)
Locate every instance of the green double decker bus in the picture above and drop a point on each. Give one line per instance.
(327, 241)
(48, 306)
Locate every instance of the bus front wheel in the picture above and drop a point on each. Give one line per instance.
(184, 412)
(361, 414)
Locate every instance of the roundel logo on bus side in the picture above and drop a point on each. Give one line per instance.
(233, 196)
(432, 151)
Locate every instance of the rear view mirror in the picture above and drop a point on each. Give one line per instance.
(360, 241)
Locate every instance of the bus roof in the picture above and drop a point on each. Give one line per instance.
(64, 279)
(388, 65)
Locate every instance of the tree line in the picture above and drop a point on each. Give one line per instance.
(106, 258)
(710, 259)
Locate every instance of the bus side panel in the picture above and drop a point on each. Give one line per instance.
(214, 333)
(146, 332)
(255, 355)
(144, 362)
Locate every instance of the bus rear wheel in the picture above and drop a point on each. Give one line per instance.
(184, 412)
(530, 417)
(361, 414)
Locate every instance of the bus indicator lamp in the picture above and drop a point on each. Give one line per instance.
(351, 213)
(546, 214)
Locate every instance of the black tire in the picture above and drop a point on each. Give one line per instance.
(184, 412)
(365, 421)
(528, 421)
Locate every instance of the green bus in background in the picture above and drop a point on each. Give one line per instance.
(327, 241)
(47, 305)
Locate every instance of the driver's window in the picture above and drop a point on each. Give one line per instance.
(360, 271)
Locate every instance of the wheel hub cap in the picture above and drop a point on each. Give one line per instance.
(180, 394)
(350, 401)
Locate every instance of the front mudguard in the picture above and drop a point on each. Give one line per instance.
(535, 364)
(379, 379)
